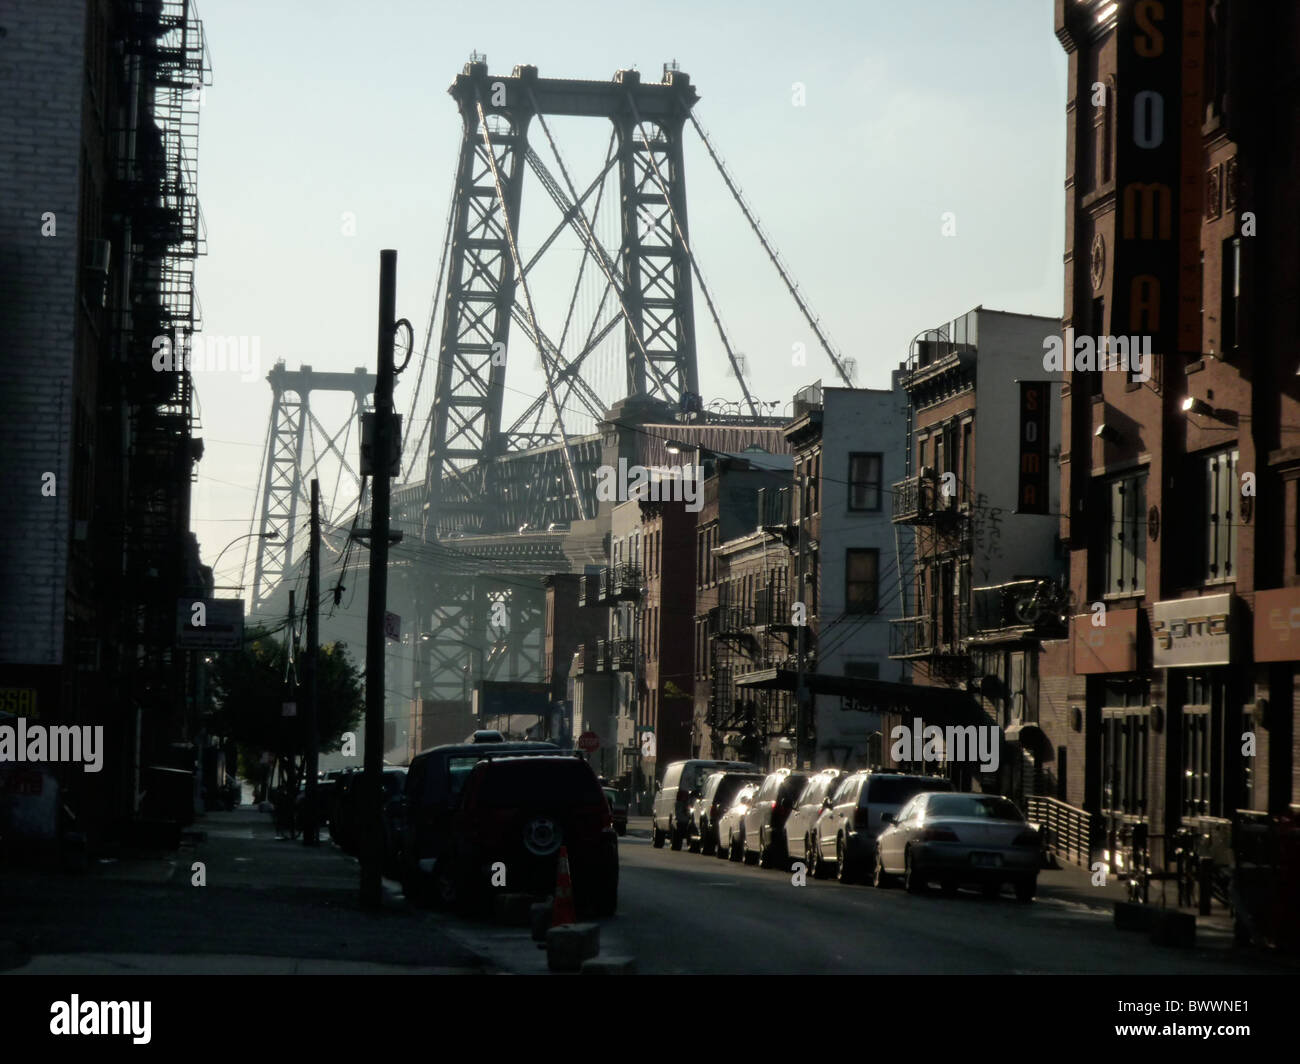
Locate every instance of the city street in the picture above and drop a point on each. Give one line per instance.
(683, 913)
(271, 905)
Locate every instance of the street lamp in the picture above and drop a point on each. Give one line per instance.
(273, 534)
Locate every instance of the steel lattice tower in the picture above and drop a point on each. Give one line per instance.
(651, 274)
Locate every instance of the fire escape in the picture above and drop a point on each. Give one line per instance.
(156, 199)
(934, 505)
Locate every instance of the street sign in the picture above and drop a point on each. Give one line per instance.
(209, 624)
(589, 741)
(392, 626)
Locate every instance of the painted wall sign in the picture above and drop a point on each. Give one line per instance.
(1035, 414)
(1194, 631)
(1148, 154)
(1277, 624)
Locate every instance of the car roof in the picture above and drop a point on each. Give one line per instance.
(484, 749)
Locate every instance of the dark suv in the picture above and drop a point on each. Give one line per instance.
(516, 814)
(434, 782)
(718, 795)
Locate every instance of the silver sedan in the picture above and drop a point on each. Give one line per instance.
(959, 839)
(731, 825)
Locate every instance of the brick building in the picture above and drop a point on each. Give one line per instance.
(99, 229)
(1179, 494)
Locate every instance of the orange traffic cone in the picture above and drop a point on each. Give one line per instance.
(562, 912)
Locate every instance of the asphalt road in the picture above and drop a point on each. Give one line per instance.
(685, 913)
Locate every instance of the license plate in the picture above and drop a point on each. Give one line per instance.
(986, 860)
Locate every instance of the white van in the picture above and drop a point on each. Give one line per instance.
(682, 783)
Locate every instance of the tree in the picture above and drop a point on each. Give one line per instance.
(250, 686)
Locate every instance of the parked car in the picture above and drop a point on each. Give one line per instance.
(720, 789)
(516, 814)
(764, 825)
(681, 786)
(732, 823)
(434, 782)
(846, 832)
(802, 821)
(959, 839)
(617, 809)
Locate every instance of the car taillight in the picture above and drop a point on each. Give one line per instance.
(939, 835)
(713, 809)
(1028, 837)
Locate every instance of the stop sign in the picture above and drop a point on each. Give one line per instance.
(589, 741)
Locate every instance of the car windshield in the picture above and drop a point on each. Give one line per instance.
(561, 783)
(986, 806)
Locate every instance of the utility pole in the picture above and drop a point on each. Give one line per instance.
(380, 497)
(291, 667)
(311, 829)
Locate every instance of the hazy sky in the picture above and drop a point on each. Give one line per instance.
(910, 110)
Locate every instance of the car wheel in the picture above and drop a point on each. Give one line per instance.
(621, 830)
(674, 837)
(948, 884)
(764, 852)
(809, 857)
(656, 836)
(913, 878)
(1026, 888)
(881, 879)
(751, 858)
(734, 850)
(844, 870)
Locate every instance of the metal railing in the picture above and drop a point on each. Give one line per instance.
(1068, 832)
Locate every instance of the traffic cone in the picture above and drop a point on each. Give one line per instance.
(563, 912)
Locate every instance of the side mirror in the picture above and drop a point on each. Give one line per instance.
(887, 818)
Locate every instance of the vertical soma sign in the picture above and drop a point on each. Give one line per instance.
(1035, 407)
(1147, 168)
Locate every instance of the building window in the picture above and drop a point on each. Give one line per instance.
(1231, 291)
(864, 482)
(1126, 528)
(1124, 741)
(1220, 514)
(861, 581)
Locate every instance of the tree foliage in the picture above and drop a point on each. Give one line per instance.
(250, 686)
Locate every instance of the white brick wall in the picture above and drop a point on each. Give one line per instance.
(41, 77)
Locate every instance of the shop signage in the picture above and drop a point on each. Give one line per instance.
(1195, 631)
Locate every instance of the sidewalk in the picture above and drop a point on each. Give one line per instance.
(267, 906)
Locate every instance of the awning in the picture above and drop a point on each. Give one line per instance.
(939, 705)
(1031, 737)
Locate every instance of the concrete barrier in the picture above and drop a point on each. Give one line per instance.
(609, 966)
(568, 945)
